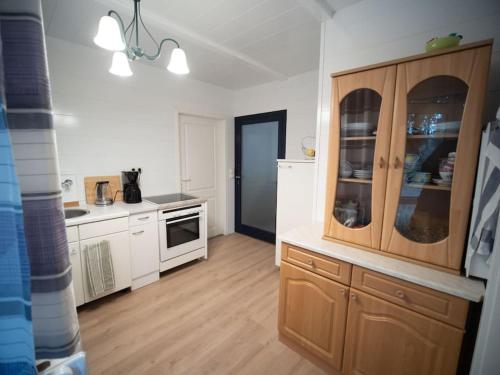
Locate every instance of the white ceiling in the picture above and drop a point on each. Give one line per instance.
(230, 43)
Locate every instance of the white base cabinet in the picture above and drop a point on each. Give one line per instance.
(144, 249)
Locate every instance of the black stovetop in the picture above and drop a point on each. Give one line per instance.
(169, 198)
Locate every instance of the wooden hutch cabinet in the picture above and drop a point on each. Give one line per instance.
(357, 321)
(403, 148)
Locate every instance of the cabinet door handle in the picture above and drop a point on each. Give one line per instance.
(285, 166)
(353, 296)
(342, 292)
(381, 162)
(397, 163)
(310, 262)
(143, 218)
(137, 233)
(400, 294)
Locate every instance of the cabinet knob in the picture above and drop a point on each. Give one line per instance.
(400, 294)
(397, 163)
(342, 291)
(381, 162)
(310, 262)
(353, 296)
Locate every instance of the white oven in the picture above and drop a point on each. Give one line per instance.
(181, 231)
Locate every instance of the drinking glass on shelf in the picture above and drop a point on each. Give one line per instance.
(410, 124)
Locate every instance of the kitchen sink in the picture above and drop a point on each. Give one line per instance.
(71, 213)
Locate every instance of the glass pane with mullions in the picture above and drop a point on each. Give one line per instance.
(435, 108)
(359, 113)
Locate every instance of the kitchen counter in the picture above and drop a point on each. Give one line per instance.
(310, 238)
(116, 210)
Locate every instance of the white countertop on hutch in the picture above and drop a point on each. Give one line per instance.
(310, 238)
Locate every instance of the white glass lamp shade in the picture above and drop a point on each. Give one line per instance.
(178, 63)
(120, 66)
(109, 35)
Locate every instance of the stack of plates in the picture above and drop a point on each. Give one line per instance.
(357, 128)
(365, 174)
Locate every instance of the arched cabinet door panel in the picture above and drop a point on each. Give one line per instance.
(434, 147)
(360, 131)
(384, 339)
(313, 312)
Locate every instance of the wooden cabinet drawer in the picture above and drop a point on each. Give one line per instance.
(441, 306)
(144, 218)
(322, 265)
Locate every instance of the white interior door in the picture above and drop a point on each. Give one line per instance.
(201, 148)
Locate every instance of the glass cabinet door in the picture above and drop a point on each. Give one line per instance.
(434, 143)
(359, 113)
(361, 122)
(435, 108)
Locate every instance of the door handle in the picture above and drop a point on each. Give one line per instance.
(381, 163)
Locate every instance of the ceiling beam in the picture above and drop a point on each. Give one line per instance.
(320, 9)
(163, 23)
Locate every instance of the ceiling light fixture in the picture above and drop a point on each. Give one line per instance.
(124, 42)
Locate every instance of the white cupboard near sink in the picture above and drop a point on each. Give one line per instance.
(144, 249)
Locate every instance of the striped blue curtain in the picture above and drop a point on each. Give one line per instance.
(17, 354)
(29, 122)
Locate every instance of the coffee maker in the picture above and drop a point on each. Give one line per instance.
(131, 191)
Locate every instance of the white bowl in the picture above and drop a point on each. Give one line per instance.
(446, 176)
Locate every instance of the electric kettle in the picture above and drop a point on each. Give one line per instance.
(103, 194)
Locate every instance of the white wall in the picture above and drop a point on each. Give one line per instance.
(375, 31)
(298, 95)
(106, 124)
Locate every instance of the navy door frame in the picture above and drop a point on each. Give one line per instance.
(239, 122)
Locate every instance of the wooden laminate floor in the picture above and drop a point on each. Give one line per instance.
(210, 317)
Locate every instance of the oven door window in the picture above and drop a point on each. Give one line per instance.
(183, 231)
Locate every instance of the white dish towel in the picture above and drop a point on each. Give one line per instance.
(485, 223)
(100, 273)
